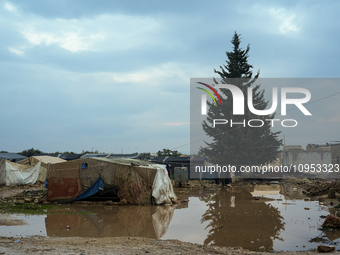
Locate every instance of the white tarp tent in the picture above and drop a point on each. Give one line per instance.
(162, 189)
(16, 174)
(45, 160)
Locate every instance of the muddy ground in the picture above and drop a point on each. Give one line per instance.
(316, 190)
(112, 245)
(14, 190)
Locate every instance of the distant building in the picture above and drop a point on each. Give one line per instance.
(296, 157)
(318, 147)
(292, 147)
(314, 154)
(335, 151)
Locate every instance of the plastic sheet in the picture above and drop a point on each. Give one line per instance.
(16, 174)
(162, 189)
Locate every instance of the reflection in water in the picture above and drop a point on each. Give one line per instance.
(228, 217)
(332, 234)
(291, 192)
(134, 221)
(232, 201)
(236, 221)
(225, 218)
(266, 190)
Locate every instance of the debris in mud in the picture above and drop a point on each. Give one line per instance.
(331, 221)
(323, 188)
(332, 235)
(298, 181)
(325, 248)
(110, 202)
(262, 249)
(331, 193)
(197, 184)
(33, 196)
(12, 222)
(318, 240)
(262, 199)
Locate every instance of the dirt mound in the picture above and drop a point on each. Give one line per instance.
(322, 188)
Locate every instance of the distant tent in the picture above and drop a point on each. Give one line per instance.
(67, 157)
(45, 160)
(138, 182)
(126, 156)
(178, 161)
(14, 157)
(16, 174)
(189, 162)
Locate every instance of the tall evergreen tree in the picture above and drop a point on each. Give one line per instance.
(238, 145)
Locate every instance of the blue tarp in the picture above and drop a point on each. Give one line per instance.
(97, 186)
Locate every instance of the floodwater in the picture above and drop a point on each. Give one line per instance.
(274, 216)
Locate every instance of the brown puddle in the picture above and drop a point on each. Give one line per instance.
(111, 221)
(272, 216)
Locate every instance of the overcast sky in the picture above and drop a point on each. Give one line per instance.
(114, 76)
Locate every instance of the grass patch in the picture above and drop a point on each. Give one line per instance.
(36, 209)
(24, 208)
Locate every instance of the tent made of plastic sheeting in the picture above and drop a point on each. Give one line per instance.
(16, 174)
(13, 157)
(189, 162)
(126, 156)
(136, 181)
(45, 160)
